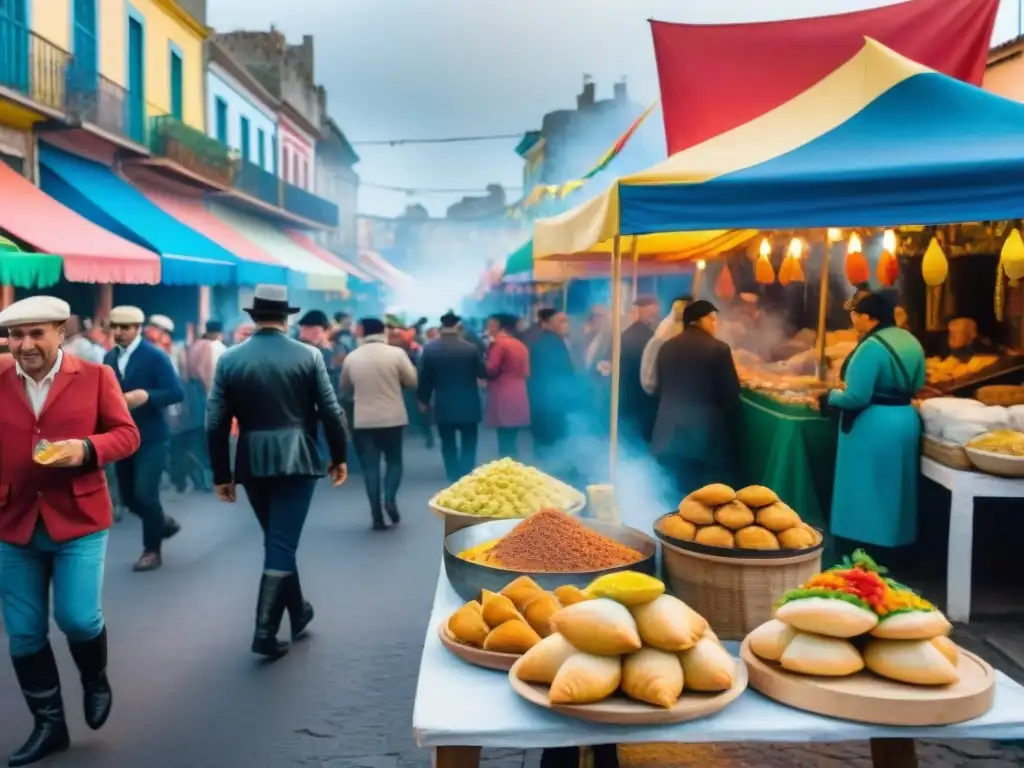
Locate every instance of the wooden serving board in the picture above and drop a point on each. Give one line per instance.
(618, 710)
(867, 698)
(477, 656)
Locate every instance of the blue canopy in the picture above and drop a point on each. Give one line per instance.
(98, 194)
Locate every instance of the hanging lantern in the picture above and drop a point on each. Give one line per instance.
(888, 271)
(792, 270)
(934, 266)
(1011, 259)
(858, 271)
(724, 286)
(834, 235)
(764, 273)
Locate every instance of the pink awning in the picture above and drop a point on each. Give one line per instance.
(323, 254)
(379, 267)
(91, 254)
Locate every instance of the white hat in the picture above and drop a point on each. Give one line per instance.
(163, 322)
(127, 316)
(35, 310)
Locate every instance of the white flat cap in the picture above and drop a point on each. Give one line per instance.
(35, 310)
(127, 316)
(163, 322)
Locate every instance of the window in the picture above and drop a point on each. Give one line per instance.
(295, 170)
(261, 148)
(222, 121)
(177, 86)
(244, 146)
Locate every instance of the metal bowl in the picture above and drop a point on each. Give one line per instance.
(469, 579)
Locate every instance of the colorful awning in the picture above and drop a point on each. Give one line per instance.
(382, 270)
(90, 253)
(255, 266)
(98, 194)
(27, 270)
(331, 258)
(307, 271)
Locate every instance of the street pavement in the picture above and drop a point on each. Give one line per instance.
(189, 694)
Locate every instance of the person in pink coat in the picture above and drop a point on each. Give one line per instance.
(508, 368)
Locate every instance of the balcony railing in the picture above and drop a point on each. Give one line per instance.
(191, 149)
(310, 206)
(258, 183)
(32, 65)
(96, 99)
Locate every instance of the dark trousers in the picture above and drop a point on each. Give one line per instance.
(281, 505)
(188, 461)
(458, 449)
(139, 478)
(372, 445)
(508, 439)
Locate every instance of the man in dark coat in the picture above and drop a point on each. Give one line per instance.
(637, 408)
(698, 406)
(279, 391)
(449, 375)
(552, 386)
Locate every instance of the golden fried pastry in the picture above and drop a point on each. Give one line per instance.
(696, 512)
(568, 594)
(585, 679)
(770, 640)
(797, 538)
(514, 636)
(707, 667)
(715, 536)
(714, 495)
(669, 624)
(827, 616)
(467, 625)
(820, 655)
(497, 609)
(918, 662)
(947, 648)
(734, 515)
(678, 527)
(756, 537)
(541, 663)
(653, 676)
(777, 517)
(600, 626)
(521, 591)
(539, 611)
(755, 496)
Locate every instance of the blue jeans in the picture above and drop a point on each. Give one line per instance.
(75, 569)
(139, 478)
(281, 505)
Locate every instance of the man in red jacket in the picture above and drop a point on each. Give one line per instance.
(55, 513)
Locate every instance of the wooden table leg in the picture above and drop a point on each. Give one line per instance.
(457, 757)
(894, 753)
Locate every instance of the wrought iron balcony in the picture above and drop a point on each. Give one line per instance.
(95, 99)
(256, 182)
(33, 66)
(309, 206)
(192, 149)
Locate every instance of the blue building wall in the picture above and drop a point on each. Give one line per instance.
(240, 103)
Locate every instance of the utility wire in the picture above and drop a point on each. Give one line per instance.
(432, 190)
(442, 140)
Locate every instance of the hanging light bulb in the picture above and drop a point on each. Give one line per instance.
(796, 248)
(701, 265)
(834, 235)
(766, 248)
(888, 271)
(858, 271)
(889, 241)
(854, 245)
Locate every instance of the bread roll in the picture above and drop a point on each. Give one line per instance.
(669, 624)
(734, 515)
(715, 536)
(707, 667)
(777, 517)
(696, 512)
(569, 594)
(541, 663)
(585, 679)
(757, 496)
(820, 655)
(521, 591)
(917, 662)
(912, 625)
(497, 609)
(947, 648)
(601, 627)
(827, 616)
(714, 495)
(653, 676)
(678, 527)
(514, 636)
(756, 537)
(770, 640)
(539, 611)
(797, 538)
(467, 625)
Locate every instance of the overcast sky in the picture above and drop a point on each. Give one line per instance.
(431, 68)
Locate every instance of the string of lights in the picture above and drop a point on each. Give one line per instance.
(440, 140)
(413, 191)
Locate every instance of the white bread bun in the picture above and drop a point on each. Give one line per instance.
(917, 662)
(769, 641)
(913, 625)
(947, 648)
(820, 655)
(827, 616)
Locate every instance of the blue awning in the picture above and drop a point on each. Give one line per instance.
(98, 194)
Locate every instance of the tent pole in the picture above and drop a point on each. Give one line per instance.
(636, 269)
(613, 434)
(565, 286)
(823, 309)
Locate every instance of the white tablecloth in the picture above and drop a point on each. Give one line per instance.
(458, 704)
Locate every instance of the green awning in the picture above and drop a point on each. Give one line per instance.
(520, 260)
(28, 270)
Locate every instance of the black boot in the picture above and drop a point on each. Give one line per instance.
(300, 612)
(392, 509)
(269, 611)
(40, 684)
(91, 659)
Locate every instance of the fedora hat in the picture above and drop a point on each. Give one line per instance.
(271, 300)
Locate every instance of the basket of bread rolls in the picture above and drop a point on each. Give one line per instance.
(730, 554)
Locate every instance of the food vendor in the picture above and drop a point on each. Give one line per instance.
(874, 498)
(964, 341)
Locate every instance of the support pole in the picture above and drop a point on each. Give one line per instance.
(565, 286)
(823, 308)
(616, 355)
(635, 256)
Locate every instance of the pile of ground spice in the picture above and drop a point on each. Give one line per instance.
(552, 541)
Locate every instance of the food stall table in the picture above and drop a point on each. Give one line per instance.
(964, 487)
(460, 709)
(792, 450)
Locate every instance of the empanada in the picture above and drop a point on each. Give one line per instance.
(696, 512)
(827, 616)
(707, 667)
(669, 624)
(947, 648)
(918, 662)
(770, 640)
(734, 515)
(541, 663)
(521, 591)
(777, 517)
(756, 537)
(755, 496)
(912, 625)
(823, 656)
(569, 594)
(497, 609)
(467, 625)
(715, 536)
(514, 636)
(678, 527)
(714, 495)
(539, 611)
(653, 676)
(601, 627)
(797, 538)
(584, 679)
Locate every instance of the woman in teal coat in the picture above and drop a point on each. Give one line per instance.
(874, 498)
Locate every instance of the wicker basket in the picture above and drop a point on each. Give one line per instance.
(735, 594)
(1001, 394)
(949, 454)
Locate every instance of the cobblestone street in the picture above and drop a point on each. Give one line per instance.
(189, 693)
